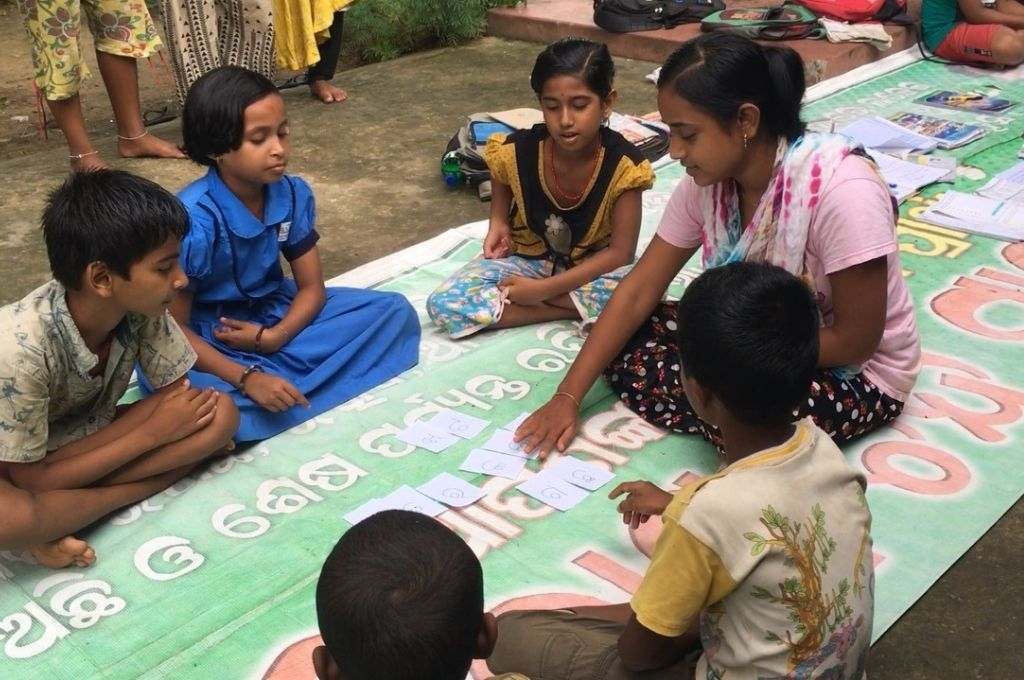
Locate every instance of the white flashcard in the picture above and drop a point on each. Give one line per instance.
(458, 424)
(494, 464)
(407, 498)
(370, 507)
(502, 442)
(585, 475)
(553, 490)
(451, 490)
(514, 425)
(426, 437)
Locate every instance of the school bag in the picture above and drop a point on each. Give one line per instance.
(854, 11)
(785, 22)
(626, 16)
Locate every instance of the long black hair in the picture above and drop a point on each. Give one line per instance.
(719, 72)
(586, 59)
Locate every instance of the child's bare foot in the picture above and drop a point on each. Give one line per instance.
(88, 162)
(147, 146)
(325, 91)
(65, 552)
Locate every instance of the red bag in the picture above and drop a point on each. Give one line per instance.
(854, 11)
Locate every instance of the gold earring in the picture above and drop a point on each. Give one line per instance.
(744, 141)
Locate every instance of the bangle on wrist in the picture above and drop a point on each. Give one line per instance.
(249, 370)
(574, 399)
(259, 339)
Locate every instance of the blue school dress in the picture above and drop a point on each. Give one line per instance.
(360, 339)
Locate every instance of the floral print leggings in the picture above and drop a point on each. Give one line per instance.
(469, 300)
(120, 27)
(645, 376)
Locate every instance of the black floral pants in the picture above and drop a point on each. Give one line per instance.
(645, 376)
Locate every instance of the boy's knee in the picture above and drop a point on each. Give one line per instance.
(21, 515)
(225, 422)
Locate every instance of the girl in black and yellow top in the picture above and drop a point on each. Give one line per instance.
(565, 206)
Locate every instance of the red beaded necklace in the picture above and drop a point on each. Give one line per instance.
(573, 198)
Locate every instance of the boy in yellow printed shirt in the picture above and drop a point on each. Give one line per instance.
(765, 567)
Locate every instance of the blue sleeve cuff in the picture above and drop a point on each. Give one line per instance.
(294, 251)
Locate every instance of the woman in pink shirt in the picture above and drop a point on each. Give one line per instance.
(759, 188)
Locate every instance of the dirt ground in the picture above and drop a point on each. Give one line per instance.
(374, 164)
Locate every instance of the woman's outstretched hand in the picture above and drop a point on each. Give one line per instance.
(550, 427)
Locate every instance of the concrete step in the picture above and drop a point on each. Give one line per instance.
(543, 21)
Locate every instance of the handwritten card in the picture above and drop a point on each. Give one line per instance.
(407, 498)
(426, 437)
(451, 490)
(494, 464)
(586, 475)
(458, 424)
(502, 442)
(553, 490)
(370, 507)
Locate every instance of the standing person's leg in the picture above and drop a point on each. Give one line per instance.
(320, 74)
(53, 27)
(191, 27)
(124, 32)
(246, 35)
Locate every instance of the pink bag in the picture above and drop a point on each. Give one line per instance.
(855, 11)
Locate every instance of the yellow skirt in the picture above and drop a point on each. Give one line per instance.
(298, 26)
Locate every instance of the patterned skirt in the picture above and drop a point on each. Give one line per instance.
(645, 376)
(205, 34)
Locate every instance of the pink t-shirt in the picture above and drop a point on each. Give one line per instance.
(852, 225)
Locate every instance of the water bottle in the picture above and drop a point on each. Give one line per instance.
(451, 169)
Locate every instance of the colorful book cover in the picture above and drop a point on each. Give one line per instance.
(949, 134)
(966, 101)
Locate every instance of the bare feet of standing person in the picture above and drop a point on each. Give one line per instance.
(57, 58)
(327, 92)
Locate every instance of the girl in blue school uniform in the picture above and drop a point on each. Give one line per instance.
(286, 349)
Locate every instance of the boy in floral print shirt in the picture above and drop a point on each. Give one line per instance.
(764, 567)
(67, 357)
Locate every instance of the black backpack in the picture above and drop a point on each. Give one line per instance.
(626, 16)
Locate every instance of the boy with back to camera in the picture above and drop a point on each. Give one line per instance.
(764, 567)
(67, 355)
(402, 597)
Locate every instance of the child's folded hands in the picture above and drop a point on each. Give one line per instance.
(642, 500)
(241, 335)
(181, 412)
